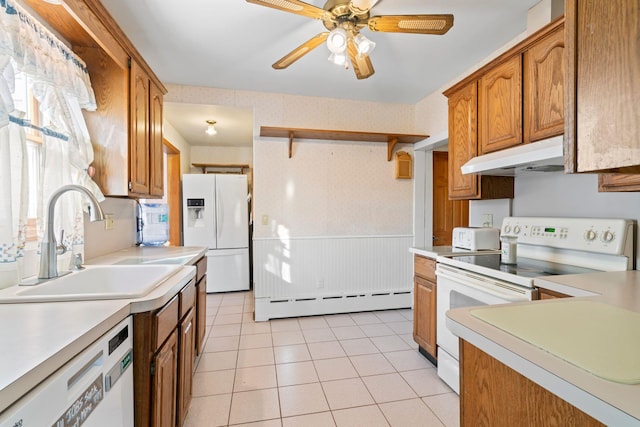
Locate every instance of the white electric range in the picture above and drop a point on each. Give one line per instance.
(545, 246)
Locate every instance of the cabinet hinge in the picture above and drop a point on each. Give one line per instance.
(129, 62)
(152, 369)
(130, 185)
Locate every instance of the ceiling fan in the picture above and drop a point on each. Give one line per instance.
(344, 19)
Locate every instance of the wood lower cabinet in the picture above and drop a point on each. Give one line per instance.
(493, 394)
(463, 146)
(185, 366)
(549, 294)
(500, 106)
(165, 379)
(602, 131)
(201, 304)
(424, 307)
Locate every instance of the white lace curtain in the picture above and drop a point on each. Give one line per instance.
(59, 80)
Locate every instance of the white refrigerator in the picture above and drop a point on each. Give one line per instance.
(216, 215)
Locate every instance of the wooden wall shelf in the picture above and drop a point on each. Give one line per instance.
(205, 166)
(391, 139)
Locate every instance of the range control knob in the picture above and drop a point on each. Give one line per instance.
(516, 229)
(507, 229)
(590, 235)
(607, 236)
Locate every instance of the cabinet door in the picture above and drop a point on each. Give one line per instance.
(201, 314)
(165, 381)
(424, 315)
(156, 161)
(185, 367)
(618, 182)
(139, 136)
(500, 106)
(602, 129)
(544, 88)
(462, 141)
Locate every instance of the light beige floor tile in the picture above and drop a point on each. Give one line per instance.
(267, 423)
(227, 319)
(255, 341)
(292, 353)
(230, 309)
(282, 325)
(359, 346)
(408, 338)
(405, 327)
(409, 413)
(337, 320)
(348, 332)
(407, 360)
(326, 350)
(255, 357)
(287, 338)
(232, 300)
(320, 419)
(425, 382)
(256, 405)
(302, 399)
(208, 411)
(249, 308)
(318, 335)
(335, 369)
(222, 343)
(255, 378)
(313, 322)
(363, 416)
(248, 317)
(407, 313)
(346, 393)
(390, 343)
(296, 373)
(364, 318)
(213, 382)
(389, 316)
(212, 310)
(209, 319)
(225, 330)
(388, 388)
(376, 330)
(371, 364)
(446, 407)
(256, 328)
(217, 361)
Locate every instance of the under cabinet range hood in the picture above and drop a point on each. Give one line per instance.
(540, 156)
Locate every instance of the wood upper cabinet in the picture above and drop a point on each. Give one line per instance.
(602, 131)
(424, 306)
(500, 106)
(145, 143)
(543, 77)
(463, 145)
(609, 182)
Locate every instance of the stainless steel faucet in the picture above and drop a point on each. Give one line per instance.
(49, 249)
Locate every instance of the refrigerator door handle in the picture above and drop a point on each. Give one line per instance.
(219, 212)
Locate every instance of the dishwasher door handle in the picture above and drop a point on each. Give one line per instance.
(95, 361)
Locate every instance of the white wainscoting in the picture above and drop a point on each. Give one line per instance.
(321, 275)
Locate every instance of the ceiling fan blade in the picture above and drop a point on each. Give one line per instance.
(362, 6)
(361, 63)
(300, 51)
(419, 24)
(293, 6)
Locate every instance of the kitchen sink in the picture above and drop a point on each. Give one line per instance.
(93, 283)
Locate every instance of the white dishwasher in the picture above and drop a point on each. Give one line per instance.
(94, 389)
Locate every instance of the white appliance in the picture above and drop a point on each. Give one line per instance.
(476, 238)
(216, 216)
(546, 246)
(94, 389)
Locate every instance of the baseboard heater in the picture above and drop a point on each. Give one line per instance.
(276, 308)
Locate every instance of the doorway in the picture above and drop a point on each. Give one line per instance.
(447, 214)
(172, 186)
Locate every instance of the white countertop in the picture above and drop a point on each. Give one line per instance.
(434, 252)
(609, 402)
(39, 338)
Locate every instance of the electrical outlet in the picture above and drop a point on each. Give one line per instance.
(487, 220)
(265, 219)
(108, 221)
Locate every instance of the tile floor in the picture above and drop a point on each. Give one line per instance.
(359, 369)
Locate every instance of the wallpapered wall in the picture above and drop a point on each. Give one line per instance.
(328, 188)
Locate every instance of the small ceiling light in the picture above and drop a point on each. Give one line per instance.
(339, 59)
(211, 128)
(363, 44)
(337, 40)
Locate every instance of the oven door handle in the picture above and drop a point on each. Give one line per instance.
(497, 288)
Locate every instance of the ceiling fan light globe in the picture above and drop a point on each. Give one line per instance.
(337, 40)
(363, 44)
(338, 59)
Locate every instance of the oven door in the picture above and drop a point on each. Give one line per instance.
(458, 288)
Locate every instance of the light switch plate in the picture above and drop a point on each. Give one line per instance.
(108, 221)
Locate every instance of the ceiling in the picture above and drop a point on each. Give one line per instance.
(231, 44)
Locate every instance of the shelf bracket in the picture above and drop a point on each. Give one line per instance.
(391, 143)
(290, 144)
